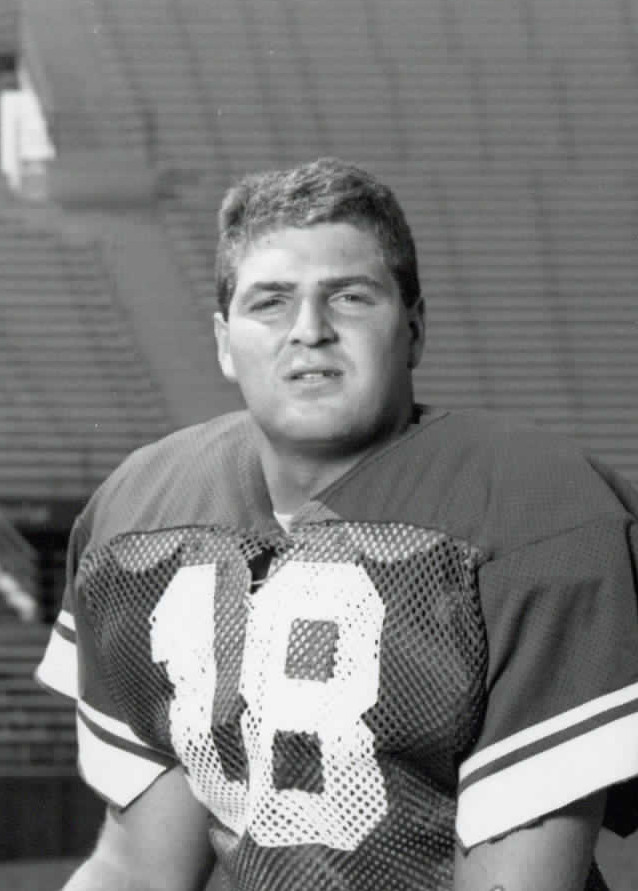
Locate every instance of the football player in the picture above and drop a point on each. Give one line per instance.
(340, 640)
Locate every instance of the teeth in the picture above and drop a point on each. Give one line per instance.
(315, 374)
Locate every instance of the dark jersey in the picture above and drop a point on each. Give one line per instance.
(443, 644)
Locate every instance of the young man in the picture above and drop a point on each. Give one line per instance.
(354, 642)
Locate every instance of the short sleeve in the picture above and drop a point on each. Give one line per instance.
(561, 718)
(112, 759)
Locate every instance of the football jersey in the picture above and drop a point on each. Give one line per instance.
(441, 646)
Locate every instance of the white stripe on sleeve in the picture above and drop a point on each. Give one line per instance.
(117, 773)
(58, 668)
(544, 729)
(548, 780)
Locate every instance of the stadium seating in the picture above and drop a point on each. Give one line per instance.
(9, 28)
(46, 809)
(37, 731)
(19, 560)
(74, 388)
(86, 100)
(508, 136)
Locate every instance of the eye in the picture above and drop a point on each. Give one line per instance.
(351, 298)
(269, 302)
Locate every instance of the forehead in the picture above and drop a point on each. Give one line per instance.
(312, 253)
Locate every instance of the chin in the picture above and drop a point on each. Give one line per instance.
(333, 436)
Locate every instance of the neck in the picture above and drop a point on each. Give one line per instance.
(293, 479)
(294, 476)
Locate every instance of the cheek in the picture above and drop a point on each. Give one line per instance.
(385, 351)
(246, 348)
(253, 363)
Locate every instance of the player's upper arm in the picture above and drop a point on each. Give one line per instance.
(158, 843)
(552, 855)
(561, 716)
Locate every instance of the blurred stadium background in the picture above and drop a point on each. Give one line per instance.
(508, 129)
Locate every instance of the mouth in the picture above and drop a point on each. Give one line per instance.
(314, 374)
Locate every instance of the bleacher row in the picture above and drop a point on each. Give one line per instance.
(73, 385)
(37, 730)
(9, 27)
(18, 559)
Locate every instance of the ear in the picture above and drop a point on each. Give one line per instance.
(224, 356)
(416, 322)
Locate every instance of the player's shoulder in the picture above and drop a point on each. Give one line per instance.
(195, 475)
(507, 449)
(186, 444)
(180, 452)
(514, 453)
(525, 482)
(496, 480)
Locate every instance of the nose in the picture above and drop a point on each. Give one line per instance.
(311, 323)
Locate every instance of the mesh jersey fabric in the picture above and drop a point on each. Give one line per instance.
(337, 692)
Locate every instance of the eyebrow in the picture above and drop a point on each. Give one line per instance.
(269, 286)
(327, 284)
(345, 281)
